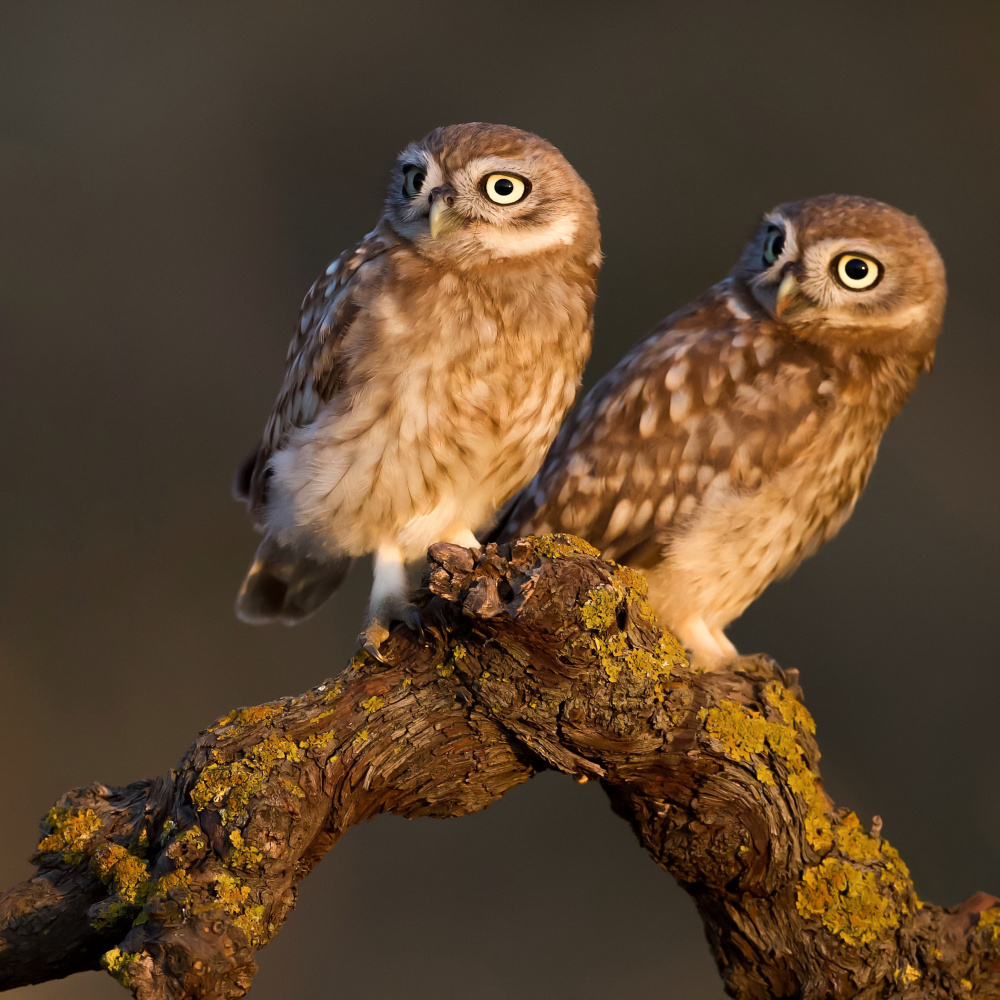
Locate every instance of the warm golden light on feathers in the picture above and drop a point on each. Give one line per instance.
(736, 439)
(428, 373)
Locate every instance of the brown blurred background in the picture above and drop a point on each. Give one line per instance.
(171, 181)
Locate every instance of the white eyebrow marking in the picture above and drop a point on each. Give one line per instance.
(513, 244)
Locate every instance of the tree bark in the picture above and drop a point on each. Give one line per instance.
(541, 655)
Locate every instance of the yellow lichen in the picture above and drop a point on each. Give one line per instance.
(616, 653)
(361, 737)
(117, 962)
(72, 830)
(252, 716)
(458, 654)
(861, 895)
(558, 545)
(907, 975)
(233, 895)
(242, 854)
(989, 921)
(600, 610)
(372, 704)
(125, 874)
(765, 775)
(632, 580)
(232, 785)
(792, 710)
(848, 900)
(318, 740)
(819, 829)
(741, 731)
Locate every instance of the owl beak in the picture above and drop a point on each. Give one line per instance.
(788, 292)
(442, 218)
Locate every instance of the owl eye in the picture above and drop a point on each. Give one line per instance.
(505, 189)
(856, 272)
(413, 180)
(774, 243)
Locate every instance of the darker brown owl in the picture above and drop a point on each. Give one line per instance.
(736, 439)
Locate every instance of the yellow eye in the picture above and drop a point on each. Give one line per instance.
(856, 272)
(505, 189)
(413, 180)
(774, 243)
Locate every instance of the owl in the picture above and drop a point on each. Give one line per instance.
(736, 439)
(429, 372)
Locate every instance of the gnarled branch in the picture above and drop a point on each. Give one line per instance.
(542, 656)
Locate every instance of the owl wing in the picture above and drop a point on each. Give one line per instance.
(714, 399)
(314, 364)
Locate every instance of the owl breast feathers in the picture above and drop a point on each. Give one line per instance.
(429, 372)
(736, 439)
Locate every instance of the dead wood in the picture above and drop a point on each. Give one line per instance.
(542, 656)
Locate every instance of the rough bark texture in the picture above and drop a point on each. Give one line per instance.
(542, 656)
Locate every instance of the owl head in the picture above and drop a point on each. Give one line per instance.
(841, 269)
(479, 193)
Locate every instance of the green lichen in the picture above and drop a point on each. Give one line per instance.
(117, 962)
(72, 831)
(109, 912)
(127, 876)
(242, 854)
(191, 837)
(230, 786)
(177, 883)
(558, 546)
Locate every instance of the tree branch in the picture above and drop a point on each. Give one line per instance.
(542, 656)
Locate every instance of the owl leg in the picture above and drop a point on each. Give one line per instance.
(463, 537)
(728, 649)
(703, 643)
(389, 601)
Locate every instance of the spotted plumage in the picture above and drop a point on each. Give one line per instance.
(736, 439)
(429, 372)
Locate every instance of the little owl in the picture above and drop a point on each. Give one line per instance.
(429, 372)
(736, 439)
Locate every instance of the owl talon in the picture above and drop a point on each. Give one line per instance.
(409, 615)
(371, 640)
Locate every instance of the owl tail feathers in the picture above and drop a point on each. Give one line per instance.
(285, 586)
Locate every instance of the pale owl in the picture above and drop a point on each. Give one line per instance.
(736, 439)
(429, 372)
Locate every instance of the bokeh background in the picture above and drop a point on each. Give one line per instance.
(172, 178)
